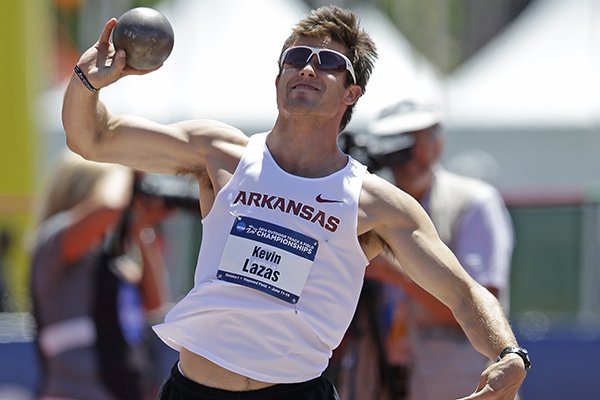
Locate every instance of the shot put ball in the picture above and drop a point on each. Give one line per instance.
(146, 35)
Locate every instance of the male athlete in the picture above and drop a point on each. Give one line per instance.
(289, 224)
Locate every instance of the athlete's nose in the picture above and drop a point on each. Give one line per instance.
(309, 68)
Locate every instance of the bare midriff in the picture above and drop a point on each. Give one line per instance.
(207, 373)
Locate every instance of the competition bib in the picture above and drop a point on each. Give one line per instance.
(267, 257)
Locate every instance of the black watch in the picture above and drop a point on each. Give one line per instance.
(521, 352)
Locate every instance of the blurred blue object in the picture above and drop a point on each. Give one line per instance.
(564, 366)
(564, 361)
(19, 371)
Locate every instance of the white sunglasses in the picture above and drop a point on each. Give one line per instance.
(329, 60)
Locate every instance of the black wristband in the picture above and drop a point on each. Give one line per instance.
(84, 79)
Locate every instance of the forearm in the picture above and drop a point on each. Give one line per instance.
(84, 117)
(484, 322)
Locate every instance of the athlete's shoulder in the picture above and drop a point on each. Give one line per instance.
(377, 190)
(381, 201)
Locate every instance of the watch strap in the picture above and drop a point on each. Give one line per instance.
(520, 351)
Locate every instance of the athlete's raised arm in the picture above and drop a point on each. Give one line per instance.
(97, 134)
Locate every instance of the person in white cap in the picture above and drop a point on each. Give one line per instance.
(471, 219)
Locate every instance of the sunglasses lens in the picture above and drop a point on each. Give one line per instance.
(331, 61)
(328, 60)
(297, 56)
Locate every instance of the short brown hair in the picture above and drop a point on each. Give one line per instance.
(341, 25)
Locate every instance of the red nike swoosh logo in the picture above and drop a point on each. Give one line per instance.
(322, 200)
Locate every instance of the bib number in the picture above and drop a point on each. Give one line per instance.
(267, 257)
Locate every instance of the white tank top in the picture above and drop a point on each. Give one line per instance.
(279, 272)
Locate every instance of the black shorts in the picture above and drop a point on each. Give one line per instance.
(178, 387)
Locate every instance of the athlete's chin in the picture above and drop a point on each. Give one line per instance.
(301, 107)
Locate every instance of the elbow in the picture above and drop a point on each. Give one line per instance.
(72, 145)
(71, 138)
(81, 137)
(76, 147)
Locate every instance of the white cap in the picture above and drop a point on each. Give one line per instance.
(405, 116)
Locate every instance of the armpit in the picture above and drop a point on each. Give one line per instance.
(371, 244)
(199, 173)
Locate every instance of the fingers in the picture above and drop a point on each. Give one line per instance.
(495, 385)
(119, 60)
(482, 390)
(105, 34)
(133, 71)
(482, 382)
(483, 394)
(103, 47)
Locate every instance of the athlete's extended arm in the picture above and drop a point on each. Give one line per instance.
(96, 134)
(406, 230)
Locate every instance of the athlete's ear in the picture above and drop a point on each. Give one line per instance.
(353, 93)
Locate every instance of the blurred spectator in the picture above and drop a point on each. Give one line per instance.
(5, 243)
(96, 276)
(360, 366)
(471, 218)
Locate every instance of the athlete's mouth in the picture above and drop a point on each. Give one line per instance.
(305, 86)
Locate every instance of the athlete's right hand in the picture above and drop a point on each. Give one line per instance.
(102, 65)
(501, 380)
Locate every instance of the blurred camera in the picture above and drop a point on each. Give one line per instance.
(175, 191)
(377, 152)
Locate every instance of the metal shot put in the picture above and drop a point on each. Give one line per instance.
(146, 35)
